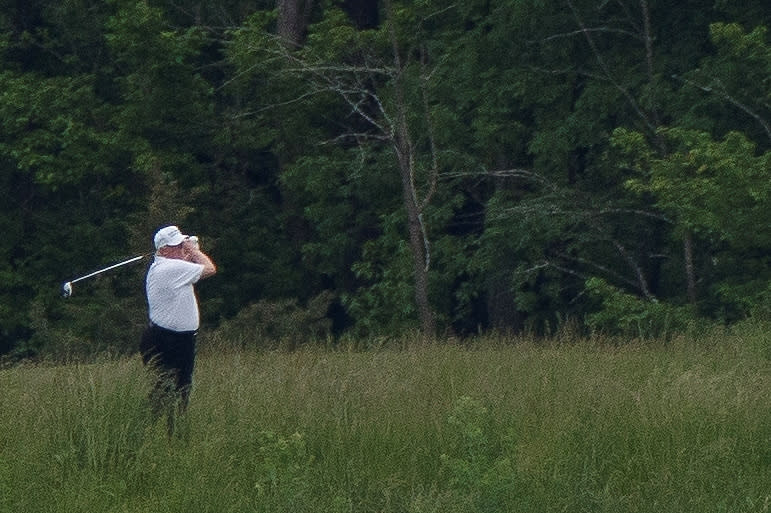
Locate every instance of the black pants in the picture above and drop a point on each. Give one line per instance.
(171, 357)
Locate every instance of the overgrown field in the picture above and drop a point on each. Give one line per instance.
(494, 426)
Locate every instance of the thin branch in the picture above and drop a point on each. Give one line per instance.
(277, 105)
(642, 282)
(606, 69)
(437, 13)
(353, 70)
(536, 267)
(433, 176)
(600, 267)
(524, 174)
(644, 213)
(648, 39)
(720, 91)
(426, 243)
(566, 270)
(629, 18)
(361, 136)
(238, 75)
(574, 33)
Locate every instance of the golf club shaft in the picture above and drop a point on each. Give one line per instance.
(134, 259)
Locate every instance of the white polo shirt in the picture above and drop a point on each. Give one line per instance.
(171, 300)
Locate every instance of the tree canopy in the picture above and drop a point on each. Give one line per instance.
(370, 168)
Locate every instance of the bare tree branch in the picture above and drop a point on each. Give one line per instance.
(600, 267)
(499, 173)
(434, 172)
(603, 65)
(719, 90)
(641, 281)
(360, 136)
(636, 211)
(566, 270)
(299, 99)
(581, 32)
(648, 39)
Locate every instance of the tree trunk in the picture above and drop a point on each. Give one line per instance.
(293, 16)
(418, 243)
(648, 40)
(417, 249)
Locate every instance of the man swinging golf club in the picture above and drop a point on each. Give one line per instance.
(168, 343)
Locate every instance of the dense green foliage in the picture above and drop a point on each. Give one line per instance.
(510, 165)
(528, 427)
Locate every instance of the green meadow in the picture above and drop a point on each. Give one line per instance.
(495, 425)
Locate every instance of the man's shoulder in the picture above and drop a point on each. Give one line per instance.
(172, 262)
(174, 268)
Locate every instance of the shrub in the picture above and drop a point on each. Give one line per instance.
(476, 464)
(279, 323)
(628, 315)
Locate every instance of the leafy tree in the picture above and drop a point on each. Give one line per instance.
(729, 90)
(371, 83)
(445, 166)
(59, 156)
(717, 191)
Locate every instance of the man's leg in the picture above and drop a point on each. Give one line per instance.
(178, 358)
(184, 365)
(155, 355)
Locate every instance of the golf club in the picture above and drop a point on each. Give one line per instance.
(67, 286)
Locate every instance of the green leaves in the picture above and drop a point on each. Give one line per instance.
(630, 316)
(52, 128)
(717, 190)
(544, 148)
(730, 90)
(713, 187)
(478, 464)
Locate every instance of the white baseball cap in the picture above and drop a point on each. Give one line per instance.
(169, 236)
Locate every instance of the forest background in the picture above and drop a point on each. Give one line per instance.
(368, 168)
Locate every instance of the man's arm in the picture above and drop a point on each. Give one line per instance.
(199, 257)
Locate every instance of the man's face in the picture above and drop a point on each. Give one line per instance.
(187, 248)
(180, 251)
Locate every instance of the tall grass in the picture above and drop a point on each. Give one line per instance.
(494, 426)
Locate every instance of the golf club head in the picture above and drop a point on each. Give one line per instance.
(67, 289)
